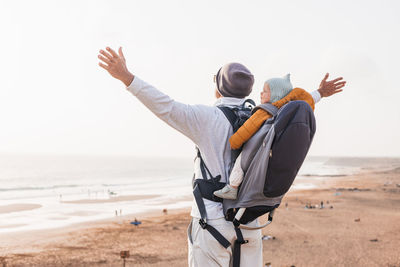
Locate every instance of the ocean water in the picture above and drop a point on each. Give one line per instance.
(63, 190)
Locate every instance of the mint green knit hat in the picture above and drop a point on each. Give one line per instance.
(280, 87)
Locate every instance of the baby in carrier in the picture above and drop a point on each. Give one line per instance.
(277, 91)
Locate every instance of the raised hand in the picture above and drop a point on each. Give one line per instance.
(328, 88)
(115, 64)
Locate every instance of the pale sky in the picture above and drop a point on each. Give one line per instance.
(55, 99)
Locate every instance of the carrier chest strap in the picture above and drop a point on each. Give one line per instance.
(203, 221)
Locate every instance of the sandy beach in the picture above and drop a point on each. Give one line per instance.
(358, 226)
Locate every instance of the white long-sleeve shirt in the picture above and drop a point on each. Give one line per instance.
(206, 126)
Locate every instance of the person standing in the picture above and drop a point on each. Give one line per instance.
(210, 130)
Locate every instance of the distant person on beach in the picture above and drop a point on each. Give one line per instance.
(210, 130)
(278, 91)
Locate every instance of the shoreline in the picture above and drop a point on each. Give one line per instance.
(307, 183)
(110, 199)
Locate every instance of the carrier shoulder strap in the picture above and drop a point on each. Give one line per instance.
(203, 168)
(229, 114)
(268, 107)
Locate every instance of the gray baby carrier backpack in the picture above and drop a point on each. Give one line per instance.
(271, 159)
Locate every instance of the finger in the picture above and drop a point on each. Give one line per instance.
(337, 79)
(340, 86)
(326, 77)
(107, 55)
(339, 83)
(104, 59)
(120, 53)
(104, 66)
(338, 91)
(112, 52)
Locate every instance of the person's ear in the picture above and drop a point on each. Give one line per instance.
(217, 94)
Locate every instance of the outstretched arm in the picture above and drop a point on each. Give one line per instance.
(187, 119)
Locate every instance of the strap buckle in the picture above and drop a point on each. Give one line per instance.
(241, 242)
(203, 224)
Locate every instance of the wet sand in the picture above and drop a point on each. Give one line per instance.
(18, 207)
(361, 229)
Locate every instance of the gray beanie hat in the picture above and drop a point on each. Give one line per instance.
(234, 80)
(279, 87)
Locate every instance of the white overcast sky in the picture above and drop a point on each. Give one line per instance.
(55, 99)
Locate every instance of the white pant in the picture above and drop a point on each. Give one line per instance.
(205, 251)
